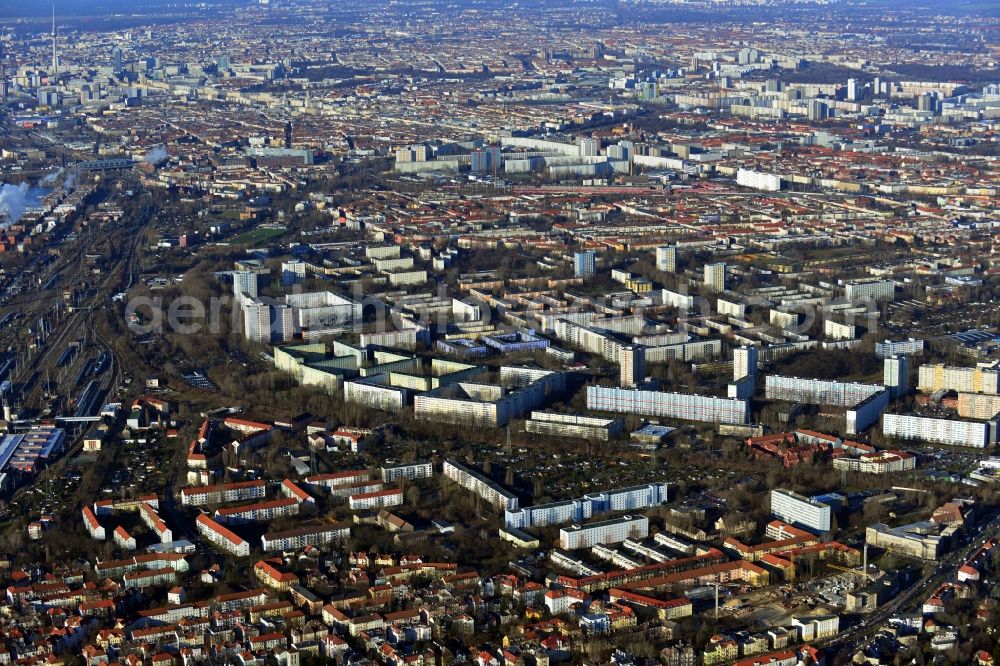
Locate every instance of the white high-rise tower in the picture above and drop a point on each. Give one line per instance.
(55, 55)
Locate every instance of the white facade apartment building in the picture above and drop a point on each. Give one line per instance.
(375, 392)
(541, 515)
(420, 470)
(480, 485)
(745, 360)
(818, 391)
(628, 499)
(836, 330)
(889, 348)
(392, 264)
(490, 405)
(796, 509)
(896, 374)
(603, 532)
(222, 537)
(256, 321)
(338, 478)
(682, 302)
(245, 283)
(684, 406)
(881, 462)
(560, 601)
(259, 512)
(866, 413)
(407, 337)
(666, 259)
(816, 627)
(93, 526)
(732, 305)
(358, 488)
(294, 491)
(758, 180)
(589, 339)
(315, 535)
(241, 600)
(150, 578)
(223, 493)
(869, 289)
(153, 521)
(950, 432)
(377, 500)
(684, 351)
(715, 276)
(621, 499)
(323, 310)
(124, 540)
(572, 425)
(382, 251)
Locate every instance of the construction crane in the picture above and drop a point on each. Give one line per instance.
(864, 566)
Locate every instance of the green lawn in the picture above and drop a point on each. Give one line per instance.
(258, 236)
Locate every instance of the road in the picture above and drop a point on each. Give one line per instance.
(862, 634)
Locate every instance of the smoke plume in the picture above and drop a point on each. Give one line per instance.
(156, 155)
(50, 180)
(13, 200)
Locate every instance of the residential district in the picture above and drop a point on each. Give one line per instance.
(500, 334)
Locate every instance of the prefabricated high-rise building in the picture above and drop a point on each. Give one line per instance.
(666, 258)
(245, 283)
(745, 361)
(715, 276)
(896, 375)
(584, 263)
(632, 365)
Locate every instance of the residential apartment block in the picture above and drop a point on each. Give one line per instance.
(571, 425)
(312, 535)
(818, 391)
(880, 462)
(222, 536)
(951, 432)
(685, 406)
(378, 499)
(419, 470)
(603, 532)
(622, 499)
(478, 484)
(940, 377)
(258, 512)
(799, 510)
(224, 493)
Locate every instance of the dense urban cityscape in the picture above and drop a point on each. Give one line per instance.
(489, 333)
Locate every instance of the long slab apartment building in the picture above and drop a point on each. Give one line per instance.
(222, 537)
(801, 511)
(312, 535)
(258, 512)
(478, 484)
(408, 471)
(604, 532)
(223, 493)
(684, 406)
(983, 378)
(951, 432)
(575, 510)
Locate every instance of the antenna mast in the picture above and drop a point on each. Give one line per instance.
(55, 57)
